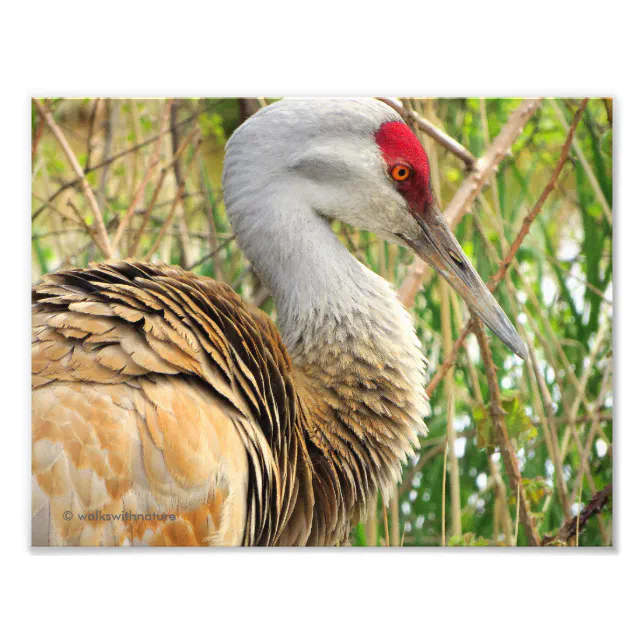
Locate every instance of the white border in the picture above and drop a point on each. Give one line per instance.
(204, 49)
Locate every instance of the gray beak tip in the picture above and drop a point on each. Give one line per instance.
(513, 340)
(521, 351)
(503, 329)
(437, 245)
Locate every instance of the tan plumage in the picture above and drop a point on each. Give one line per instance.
(158, 391)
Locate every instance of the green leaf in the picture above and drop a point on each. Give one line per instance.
(536, 489)
(517, 422)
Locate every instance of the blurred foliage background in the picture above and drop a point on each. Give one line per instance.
(558, 290)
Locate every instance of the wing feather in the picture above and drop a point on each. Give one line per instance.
(155, 391)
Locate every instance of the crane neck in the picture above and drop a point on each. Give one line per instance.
(358, 363)
(323, 294)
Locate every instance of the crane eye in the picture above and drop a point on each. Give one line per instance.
(400, 172)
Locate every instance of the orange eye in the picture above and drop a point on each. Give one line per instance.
(400, 172)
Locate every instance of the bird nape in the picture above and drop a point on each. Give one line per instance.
(168, 411)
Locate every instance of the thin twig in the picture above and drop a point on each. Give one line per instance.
(134, 244)
(79, 217)
(99, 233)
(155, 195)
(592, 179)
(104, 162)
(184, 241)
(148, 175)
(211, 254)
(90, 134)
(36, 138)
(210, 218)
(110, 124)
(168, 221)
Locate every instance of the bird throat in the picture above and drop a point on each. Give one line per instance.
(360, 375)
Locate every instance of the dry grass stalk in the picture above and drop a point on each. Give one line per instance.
(371, 530)
(105, 162)
(144, 182)
(592, 179)
(454, 479)
(543, 408)
(503, 268)
(395, 518)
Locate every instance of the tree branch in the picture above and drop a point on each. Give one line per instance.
(576, 524)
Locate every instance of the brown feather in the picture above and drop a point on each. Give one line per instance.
(157, 392)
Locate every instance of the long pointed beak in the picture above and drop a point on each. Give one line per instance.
(439, 248)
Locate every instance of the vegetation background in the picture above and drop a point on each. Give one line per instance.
(152, 191)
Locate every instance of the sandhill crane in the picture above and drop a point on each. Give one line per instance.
(167, 411)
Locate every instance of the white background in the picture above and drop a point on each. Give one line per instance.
(321, 48)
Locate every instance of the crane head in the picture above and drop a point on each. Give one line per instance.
(356, 160)
(408, 169)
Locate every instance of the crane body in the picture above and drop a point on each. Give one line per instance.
(167, 411)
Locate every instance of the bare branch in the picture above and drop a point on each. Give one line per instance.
(571, 528)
